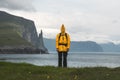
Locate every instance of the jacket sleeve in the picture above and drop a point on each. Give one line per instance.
(57, 40)
(68, 46)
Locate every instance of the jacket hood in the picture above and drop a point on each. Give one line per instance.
(62, 28)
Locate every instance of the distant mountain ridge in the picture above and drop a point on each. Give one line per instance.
(85, 46)
(82, 46)
(18, 32)
(110, 47)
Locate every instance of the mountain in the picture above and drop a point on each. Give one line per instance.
(110, 47)
(82, 46)
(19, 33)
(50, 44)
(85, 46)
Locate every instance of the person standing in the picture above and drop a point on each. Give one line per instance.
(62, 46)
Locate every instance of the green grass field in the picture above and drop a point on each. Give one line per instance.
(23, 71)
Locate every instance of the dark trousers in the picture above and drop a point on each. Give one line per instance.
(62, 59)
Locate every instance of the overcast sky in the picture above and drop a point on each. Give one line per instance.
(95, 20)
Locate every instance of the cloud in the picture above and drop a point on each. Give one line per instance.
(81, 26)
(96, 20)
(25, 5)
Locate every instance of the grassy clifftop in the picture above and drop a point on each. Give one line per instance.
(11, 30)
(14, 30)
(9, 35)
(22, 71)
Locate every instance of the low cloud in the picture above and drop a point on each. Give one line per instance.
(25, 5)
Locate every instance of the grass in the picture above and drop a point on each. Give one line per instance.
(9, 35)
(23, 71)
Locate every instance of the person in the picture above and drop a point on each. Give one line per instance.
(62, 46)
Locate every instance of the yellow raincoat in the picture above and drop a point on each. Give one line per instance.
(62, 41)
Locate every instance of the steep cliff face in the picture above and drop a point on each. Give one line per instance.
(22, 27)
(28, 31)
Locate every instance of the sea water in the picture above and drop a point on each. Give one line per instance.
(79, 59)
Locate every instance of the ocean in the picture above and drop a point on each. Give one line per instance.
(79, 59)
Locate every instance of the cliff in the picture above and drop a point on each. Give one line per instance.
(18, 32)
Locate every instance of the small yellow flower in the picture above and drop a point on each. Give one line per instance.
(29, 72)
(107, 74)
(75, 77)
(48, 77)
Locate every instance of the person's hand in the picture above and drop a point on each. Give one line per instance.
(67, 49)
(57, 49)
